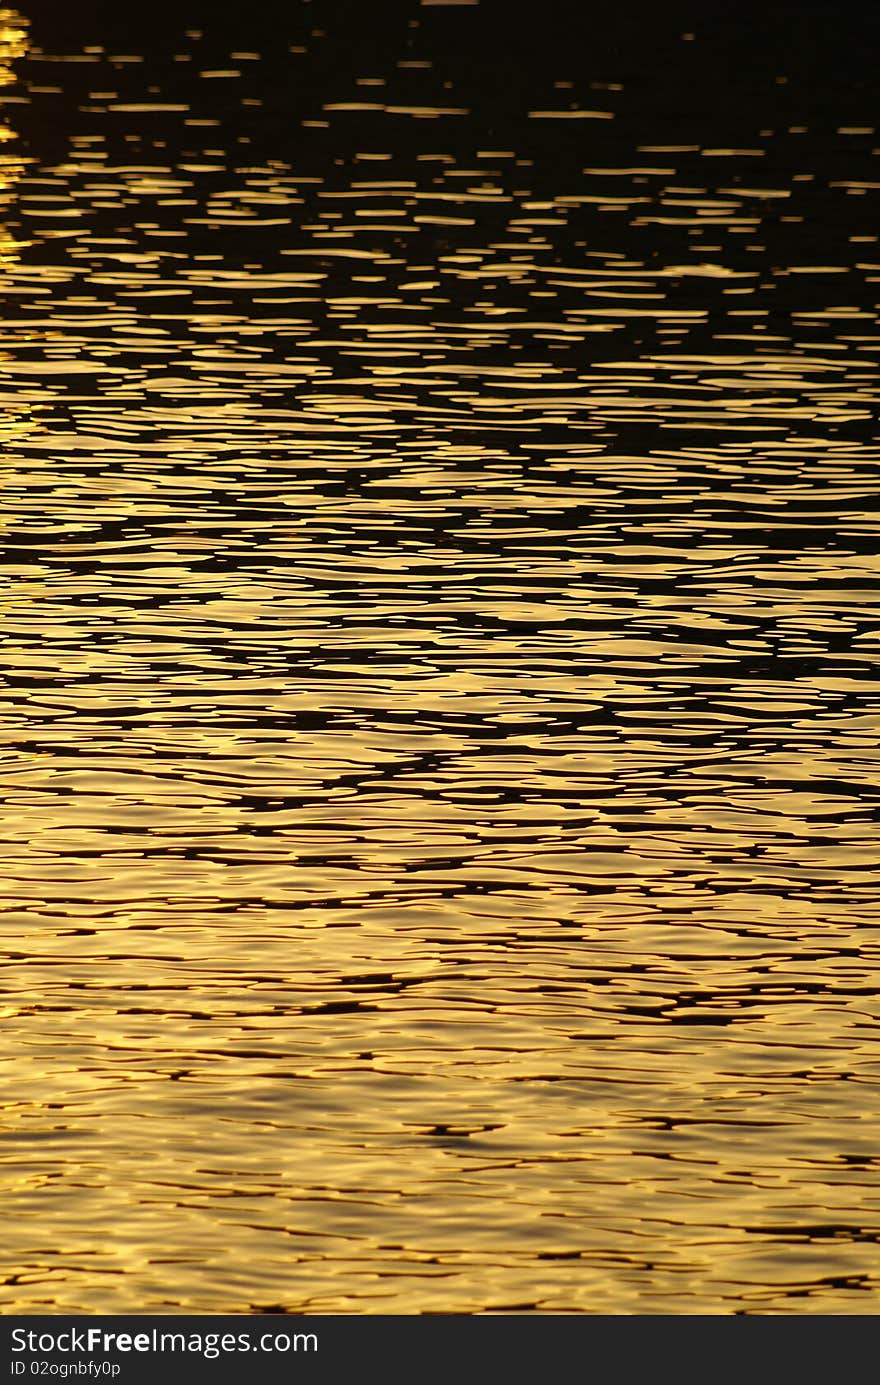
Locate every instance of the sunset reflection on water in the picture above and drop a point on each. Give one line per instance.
(439, 688)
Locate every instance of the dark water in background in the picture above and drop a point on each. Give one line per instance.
(439, 709)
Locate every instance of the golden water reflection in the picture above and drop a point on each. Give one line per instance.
(439, 707)
(14, 420)
(12, 46)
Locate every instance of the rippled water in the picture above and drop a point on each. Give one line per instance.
(439, 699)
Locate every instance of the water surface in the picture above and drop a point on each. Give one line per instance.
(439, 691)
